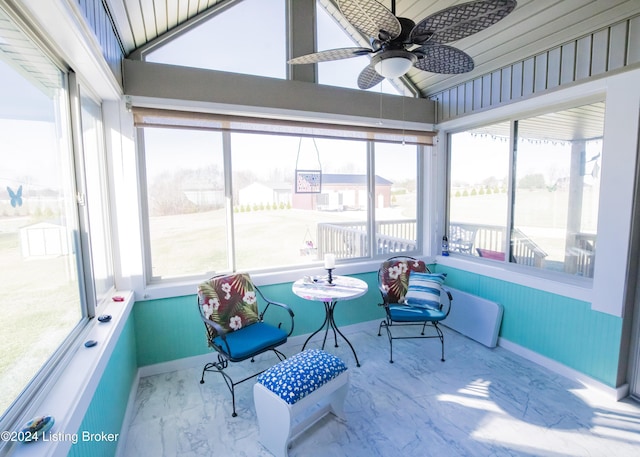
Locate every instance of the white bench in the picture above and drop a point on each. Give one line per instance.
(294, 394)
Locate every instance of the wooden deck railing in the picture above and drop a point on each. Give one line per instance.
(474, 239)
(349, 239)
(468, 238)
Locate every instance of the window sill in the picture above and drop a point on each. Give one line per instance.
(71, 394)
(177, 288)
(568, 286)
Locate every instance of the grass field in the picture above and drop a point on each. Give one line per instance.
(39, 307)
(191, 244)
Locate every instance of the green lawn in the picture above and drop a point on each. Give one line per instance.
(191, 244)
(38, 309)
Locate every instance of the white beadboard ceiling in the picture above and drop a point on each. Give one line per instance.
(534, 26)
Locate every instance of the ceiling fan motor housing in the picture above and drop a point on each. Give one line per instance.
(393, 63)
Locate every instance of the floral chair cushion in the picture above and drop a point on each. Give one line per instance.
(298, 376)
(394, 277)
(229, 300)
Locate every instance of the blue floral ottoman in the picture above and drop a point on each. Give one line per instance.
(294, 394)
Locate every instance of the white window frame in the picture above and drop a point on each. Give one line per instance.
(159, 282)
(607, 291)
(54, 367)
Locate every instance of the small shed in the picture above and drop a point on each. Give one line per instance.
(44, 239)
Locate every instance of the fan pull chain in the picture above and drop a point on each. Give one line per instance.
(380, 121)
(403, 117)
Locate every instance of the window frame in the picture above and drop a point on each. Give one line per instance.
(387, 135)
(513, 118)
(67, 103)
(78, 92)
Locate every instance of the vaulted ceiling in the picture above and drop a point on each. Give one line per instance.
(534, 26)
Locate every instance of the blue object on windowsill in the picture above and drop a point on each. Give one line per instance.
(36, 428)
(445, 246)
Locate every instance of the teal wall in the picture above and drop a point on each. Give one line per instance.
(108, 406)
(560, 328)
(170, 328)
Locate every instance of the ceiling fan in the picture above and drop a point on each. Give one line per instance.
(397, 43)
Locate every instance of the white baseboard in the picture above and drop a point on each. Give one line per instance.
(175, 365)
(563, 370)
(201, 360)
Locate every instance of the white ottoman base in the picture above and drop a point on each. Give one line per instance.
(280, 423)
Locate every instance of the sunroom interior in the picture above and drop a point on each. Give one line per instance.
(150, 144)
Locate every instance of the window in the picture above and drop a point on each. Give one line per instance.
(478, 199)
(186, 202)
(42, 257)
(249, 37)
(276, 226)
(550, 221)
(396, 198)
(235, 200)
(99, 221)
(343, 73)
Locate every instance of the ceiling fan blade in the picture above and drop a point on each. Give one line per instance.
(331, 54)
(460, 21)
(369, 77)
(440, 58)
(371, 18)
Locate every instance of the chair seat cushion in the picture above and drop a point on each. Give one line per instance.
(251, 340)
(406, 313)
(298, 376)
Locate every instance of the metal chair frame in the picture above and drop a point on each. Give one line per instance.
(388, 322)
(225, 354)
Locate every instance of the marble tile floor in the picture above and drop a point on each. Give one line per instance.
(480, 402)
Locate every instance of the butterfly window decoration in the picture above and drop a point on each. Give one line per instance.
(16, 197)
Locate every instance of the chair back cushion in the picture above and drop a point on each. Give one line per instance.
(229, 300)
(424, 290)
(393, 277)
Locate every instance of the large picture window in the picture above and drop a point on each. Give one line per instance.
(526, 192)
(221, 200)
(187, 218)
(48, 287)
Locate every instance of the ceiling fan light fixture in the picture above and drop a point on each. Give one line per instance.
(393, 64)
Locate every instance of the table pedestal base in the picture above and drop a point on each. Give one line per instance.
(330, 323)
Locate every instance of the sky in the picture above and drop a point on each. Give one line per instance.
(256, 153)
(250, 38)
(477, 157)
